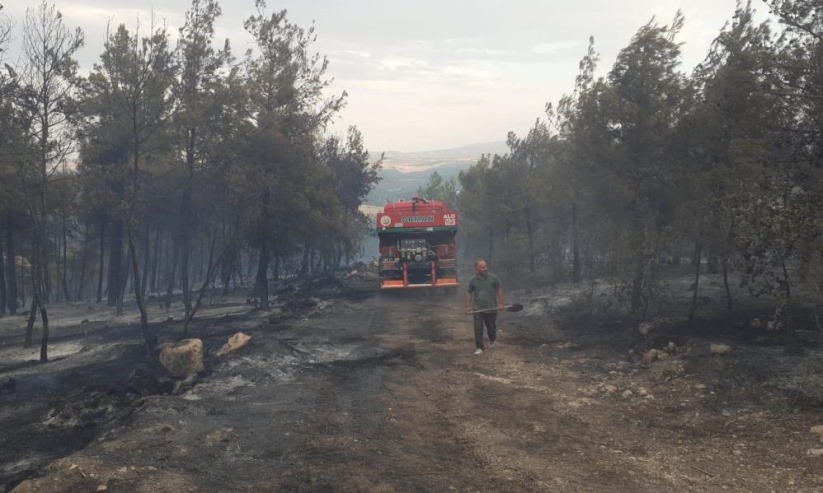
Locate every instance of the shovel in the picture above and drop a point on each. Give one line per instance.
(508, 308)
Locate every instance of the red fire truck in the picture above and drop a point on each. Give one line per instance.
(417, 245)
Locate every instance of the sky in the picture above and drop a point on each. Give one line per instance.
(425, 75)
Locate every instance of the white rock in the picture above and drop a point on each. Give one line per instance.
(814, 452)
(720, 349)
(627, 393)
(818, 430)
(234, 343)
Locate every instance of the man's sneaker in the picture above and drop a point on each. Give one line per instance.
(491, 344)
(478, 351)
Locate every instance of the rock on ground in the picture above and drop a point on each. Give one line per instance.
(184, 358)
(234, 343)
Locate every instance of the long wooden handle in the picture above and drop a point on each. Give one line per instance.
(508, 308)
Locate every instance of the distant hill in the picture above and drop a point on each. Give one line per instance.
(424, 158)
(404, 172)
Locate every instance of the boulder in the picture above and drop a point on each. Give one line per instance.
(184, 358)
(234, 343)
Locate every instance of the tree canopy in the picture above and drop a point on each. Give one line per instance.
(647, 165)
(171, 165)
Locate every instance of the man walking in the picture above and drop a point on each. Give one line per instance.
(484, 297)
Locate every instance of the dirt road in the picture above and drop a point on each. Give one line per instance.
(385, 395)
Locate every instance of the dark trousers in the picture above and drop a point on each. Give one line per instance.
(490, 321)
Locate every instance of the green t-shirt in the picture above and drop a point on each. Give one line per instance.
(485, 291)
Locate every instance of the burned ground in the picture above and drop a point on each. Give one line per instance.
(343, 391)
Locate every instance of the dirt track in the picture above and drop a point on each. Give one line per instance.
(385, 395)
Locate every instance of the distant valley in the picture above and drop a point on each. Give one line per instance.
(403, 173)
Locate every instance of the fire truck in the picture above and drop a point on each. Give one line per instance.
(417, 245)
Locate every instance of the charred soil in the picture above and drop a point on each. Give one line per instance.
(343, 391)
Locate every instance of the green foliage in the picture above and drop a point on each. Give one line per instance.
(128, 110)
(632, 166)
(179, 150)
(439, 189)
(352, 175)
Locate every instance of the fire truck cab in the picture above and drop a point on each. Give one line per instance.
(417, 245)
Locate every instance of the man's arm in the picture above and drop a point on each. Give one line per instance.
(500, 304)
(468, 301)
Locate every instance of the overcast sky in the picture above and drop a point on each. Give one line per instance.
(425, 75)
